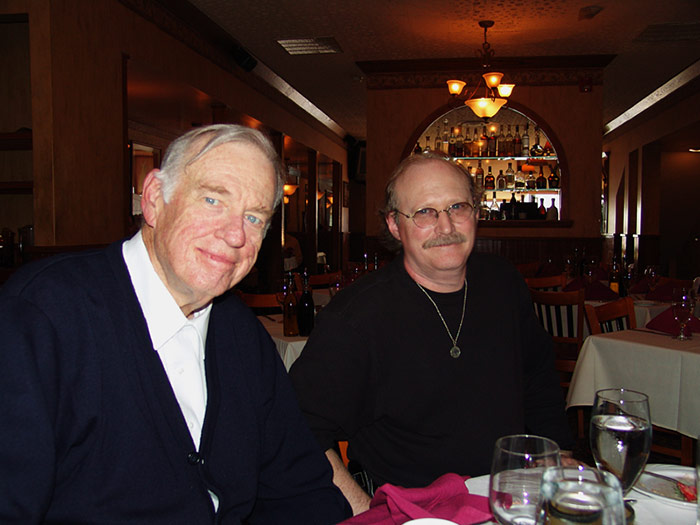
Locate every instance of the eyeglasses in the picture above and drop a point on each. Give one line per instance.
(427, 217)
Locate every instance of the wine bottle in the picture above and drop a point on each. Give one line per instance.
(289, 309)
(542, 211)
(552, 212)
(307, 309)
(615, 276)
(492, 144)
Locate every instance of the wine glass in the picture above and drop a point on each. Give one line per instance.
(652, 274)
(620, 433)
(580, 495)
(516, 472)
(682, 306)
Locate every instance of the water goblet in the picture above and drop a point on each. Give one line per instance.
(580, 495)
(620, 433)
(682, 307)
(652, 275)
(516, 472)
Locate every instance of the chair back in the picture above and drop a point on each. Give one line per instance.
(552, 283)
(561, 314)
(611, 317)
(325, 280)
(261, 300)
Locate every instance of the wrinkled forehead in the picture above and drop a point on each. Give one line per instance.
(432, 178)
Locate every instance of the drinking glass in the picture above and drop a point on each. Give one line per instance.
(580, 495)
(652, 275)
(682, 306)
(516, 472)
(620, 433)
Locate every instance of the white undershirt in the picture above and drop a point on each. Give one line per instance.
(179, 341)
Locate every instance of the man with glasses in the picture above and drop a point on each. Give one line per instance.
(423, 364)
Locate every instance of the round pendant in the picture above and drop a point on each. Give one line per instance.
(455, 352)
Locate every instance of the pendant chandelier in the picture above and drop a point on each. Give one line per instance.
(495, 93)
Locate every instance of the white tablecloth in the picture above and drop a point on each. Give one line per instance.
(648, 511)
(665, 369)
(289, 348)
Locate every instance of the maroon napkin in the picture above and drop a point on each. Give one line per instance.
(664, 322)
(447, 498)
(595, 291)
(662, 292)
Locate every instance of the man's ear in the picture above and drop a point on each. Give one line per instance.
(393, 226)
(152, 198)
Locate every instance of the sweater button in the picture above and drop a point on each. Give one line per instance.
(195, 459)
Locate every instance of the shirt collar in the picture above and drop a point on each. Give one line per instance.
(163, 316)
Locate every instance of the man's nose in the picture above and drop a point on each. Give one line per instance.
(444, 222)
(232, 231)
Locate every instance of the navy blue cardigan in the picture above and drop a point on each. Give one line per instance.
(91, 431)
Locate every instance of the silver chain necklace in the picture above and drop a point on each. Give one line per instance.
(454, 351)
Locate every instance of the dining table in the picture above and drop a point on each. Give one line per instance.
(644, 311)
(664, 368)
(648, 510)
(288, 347)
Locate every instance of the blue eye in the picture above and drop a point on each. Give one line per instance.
(425, 211)
(255, 221)
(212, 201)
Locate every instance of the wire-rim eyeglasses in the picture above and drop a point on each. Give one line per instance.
(458, 212)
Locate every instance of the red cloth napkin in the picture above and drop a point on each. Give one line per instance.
(447, 498)
(595, 291)
(664, 322)
(662, 292)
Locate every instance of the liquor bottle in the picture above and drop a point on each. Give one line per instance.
(492, 144)
(517, 142)
(531, 181)
(427, 144)
(445, 135)
(479, 176)
(505, 215)
(417, 150)
(513, 202)
(554, 181)
(289, 308)
(483, 143)
(489, 181)
(519, 180)
(548, 149)
(459, 144)
(509, 143)
(526, 141)
(542, 211)
(541, 181)
(552, 212)
(615, 276)
(470, 170)
(536, 150)
(494, 210)
(437, 146)
(501, 181)
(510, 177)
(467, 148)
(475, 143)
(501, 143)
(306, 309)
(452, 143)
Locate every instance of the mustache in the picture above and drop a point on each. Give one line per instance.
(444, 240)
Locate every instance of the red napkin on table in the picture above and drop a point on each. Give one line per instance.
(447, 498)
(664, 322)
(662, 292)
(595, 291)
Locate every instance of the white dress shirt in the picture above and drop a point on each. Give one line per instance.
(179, 341)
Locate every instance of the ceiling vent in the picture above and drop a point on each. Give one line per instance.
(670, 32)
(310, 46)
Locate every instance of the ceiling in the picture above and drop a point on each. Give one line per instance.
(653, 40)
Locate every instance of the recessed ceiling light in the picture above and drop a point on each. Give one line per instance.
(310, 46)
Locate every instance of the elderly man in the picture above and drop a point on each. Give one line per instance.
(423, 364)
(134, 390)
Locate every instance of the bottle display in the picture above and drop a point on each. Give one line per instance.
(501, 181)
(541, 181)
(517, 141)
(510, 177)
(554, 177)
(531, 181)
(536, 150)
(494, 209)
(479, 176)
(542, 211)
(552, 212)
(438, 140)
(492, 144)
(525, 141)
(501, 143)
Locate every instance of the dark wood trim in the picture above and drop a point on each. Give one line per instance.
(526, 224)
(20, 187)
(16, 141)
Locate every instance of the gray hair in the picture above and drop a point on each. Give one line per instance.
(391, 199)
(183, 151)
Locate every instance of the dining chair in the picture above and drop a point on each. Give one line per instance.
(260, 300)
(552, 283)
(611, 317)
(325, 280)
(561, 315)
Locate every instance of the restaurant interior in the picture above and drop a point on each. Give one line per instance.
(93, 92)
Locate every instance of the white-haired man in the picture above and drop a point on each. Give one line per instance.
(134, 389)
